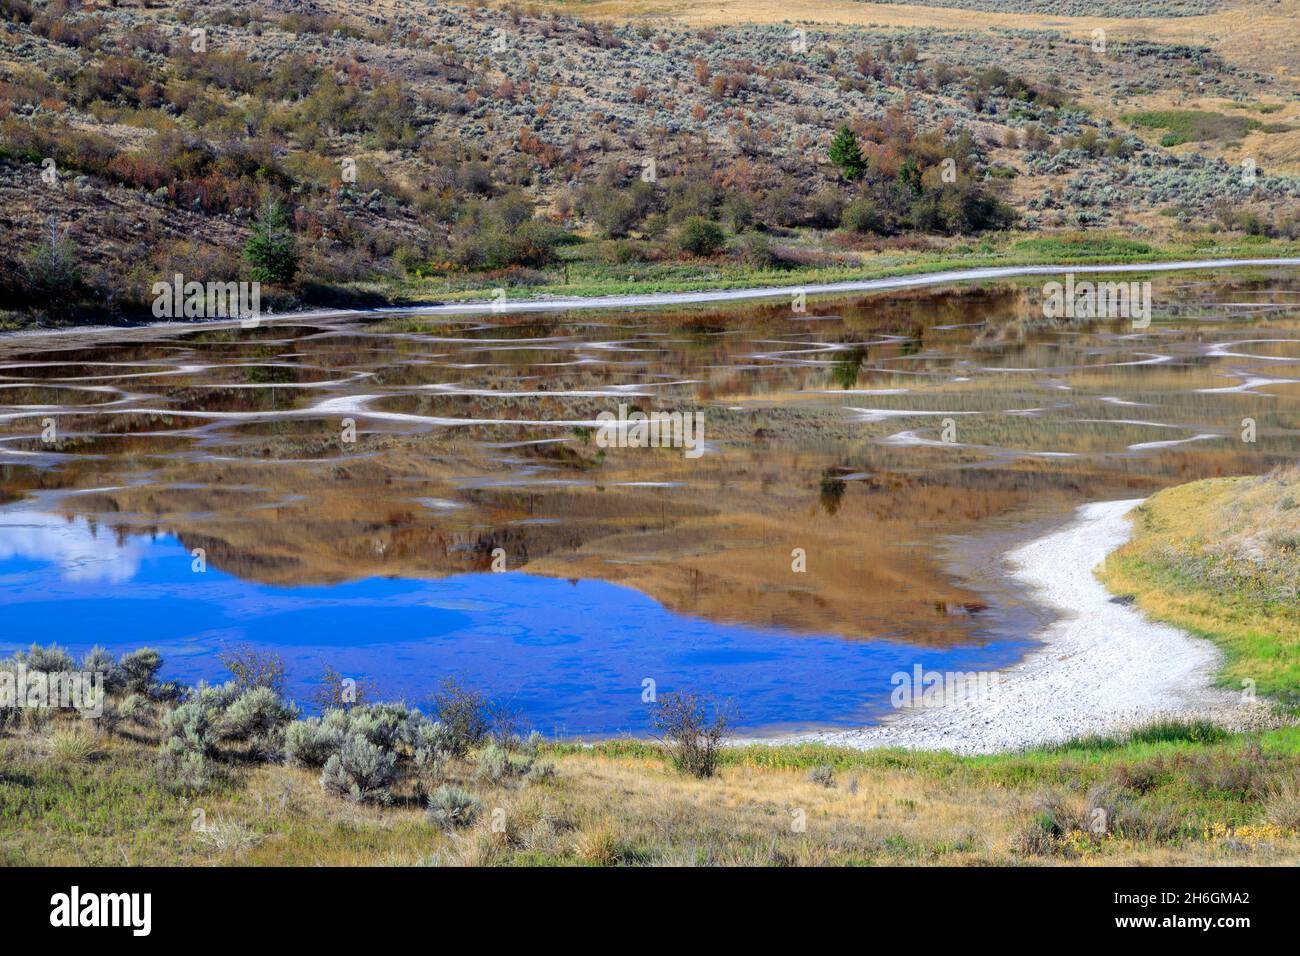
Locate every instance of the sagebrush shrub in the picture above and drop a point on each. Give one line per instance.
(311, 742)
(188, 728)
(497, 765)
(360, 771)
(191, 773)
(137, 672)
(338, 720)
(188, 743)
(256, 711)
(381, 724)
(135, 707)
(532, 744)
(540, 771)
(431, 747)
(215, 697)
(98, 660)
(48, 660)
(258, 716)
(493, 764)
(34, 719)
(9, 714)
(824, 775)
(451, 808)
(106, 720)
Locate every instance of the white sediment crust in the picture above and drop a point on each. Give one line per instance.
(1103, 667)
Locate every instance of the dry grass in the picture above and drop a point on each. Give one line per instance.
(759, 816)
(603, 810)
(1283, 807)
(73, 746)
(1172, 800)
(227, 837)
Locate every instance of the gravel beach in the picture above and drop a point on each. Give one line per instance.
(1103, 667)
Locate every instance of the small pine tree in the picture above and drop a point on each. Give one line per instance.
(909, 174)
(52, 267)
(846, 154)
(270, 249)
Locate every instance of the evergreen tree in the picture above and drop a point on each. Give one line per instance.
(909, 174)
(846, 154)
(270, 249)
(52, 267)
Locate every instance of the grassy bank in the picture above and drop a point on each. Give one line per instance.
(586, 269)
(1221, 558)
(1172, 795)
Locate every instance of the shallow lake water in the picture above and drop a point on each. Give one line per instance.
(407, 498)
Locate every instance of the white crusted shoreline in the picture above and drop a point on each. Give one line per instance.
(1103, 668)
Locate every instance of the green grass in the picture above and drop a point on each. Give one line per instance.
(1173, 787)
(1162, 731)
(586, 277)
(1068, 248)
(1164, 736)
(106, 812)
(1193, 126)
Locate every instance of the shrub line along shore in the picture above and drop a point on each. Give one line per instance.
(702, 297)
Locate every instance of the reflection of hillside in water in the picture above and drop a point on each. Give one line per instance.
(825, 432)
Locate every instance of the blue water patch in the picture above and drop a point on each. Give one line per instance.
(570, 657)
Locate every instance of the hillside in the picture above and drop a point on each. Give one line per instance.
(423, 149)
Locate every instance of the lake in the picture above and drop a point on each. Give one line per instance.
(405, 498)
